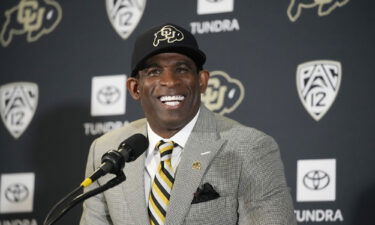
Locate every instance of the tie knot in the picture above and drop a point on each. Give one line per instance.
(165, 149)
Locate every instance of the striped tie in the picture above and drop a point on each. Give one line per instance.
(162, 185)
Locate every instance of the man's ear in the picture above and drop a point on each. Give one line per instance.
(132, 84)
(204, 75)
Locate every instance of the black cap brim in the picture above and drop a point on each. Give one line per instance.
(196, 55)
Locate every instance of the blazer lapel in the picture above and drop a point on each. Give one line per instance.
(133, 187)
(203, 139)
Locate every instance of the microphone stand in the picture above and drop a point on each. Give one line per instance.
(113, 162)
(120, 177)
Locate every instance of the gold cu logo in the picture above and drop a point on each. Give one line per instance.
(29, 15)
(33, 17)
(168, 33)
(224, 94)
(325, 7)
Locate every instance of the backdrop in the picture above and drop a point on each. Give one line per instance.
(299, 70)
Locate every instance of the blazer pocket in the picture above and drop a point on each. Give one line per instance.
(222, 210)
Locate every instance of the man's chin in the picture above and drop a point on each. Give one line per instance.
(174, 122)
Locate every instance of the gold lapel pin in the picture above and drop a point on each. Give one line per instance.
(196, 165)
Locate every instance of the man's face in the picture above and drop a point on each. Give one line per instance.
(169, 90)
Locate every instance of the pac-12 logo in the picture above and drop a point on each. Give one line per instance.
(325, 7)
(318, 83)
(34, 18)
(223, 94)
(18, 102)
(125, 15)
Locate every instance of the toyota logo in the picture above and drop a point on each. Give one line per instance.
(16, 192)
(316, 180)
(108, 95)
(214, 1)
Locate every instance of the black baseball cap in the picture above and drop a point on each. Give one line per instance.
(165, 38)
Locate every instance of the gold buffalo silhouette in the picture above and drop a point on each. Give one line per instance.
(168, 33)
(325, 7)
(31, 17)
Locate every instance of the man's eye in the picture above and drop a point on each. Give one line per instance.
(153, 72)
(182, 70)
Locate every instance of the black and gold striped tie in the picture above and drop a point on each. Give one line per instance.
(162, 184)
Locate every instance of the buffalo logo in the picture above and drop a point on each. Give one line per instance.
(18, 102)
(125, 15)
(316, 180)
(325, 7)
(224, 94)
(16, 193)
(168, 33)
(108, 95)
(33, 17)
(318, 83)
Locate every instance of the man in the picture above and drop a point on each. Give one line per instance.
(200, 168)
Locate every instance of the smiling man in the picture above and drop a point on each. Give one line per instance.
(168, 86)
(200, 168)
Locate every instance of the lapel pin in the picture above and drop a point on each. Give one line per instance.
(196, 165)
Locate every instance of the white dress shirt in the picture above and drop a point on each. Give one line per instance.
(153, 156)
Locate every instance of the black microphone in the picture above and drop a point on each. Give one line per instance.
(113, 161)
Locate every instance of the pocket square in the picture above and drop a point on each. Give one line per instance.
(204, 194)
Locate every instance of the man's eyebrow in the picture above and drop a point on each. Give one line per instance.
(184, 63)
(146, 66)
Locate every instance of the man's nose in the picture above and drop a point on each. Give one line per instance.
(169, 78)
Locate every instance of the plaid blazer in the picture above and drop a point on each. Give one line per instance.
(242, 164)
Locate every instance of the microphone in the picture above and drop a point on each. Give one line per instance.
(113, 161)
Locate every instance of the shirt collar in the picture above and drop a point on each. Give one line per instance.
(180, 137)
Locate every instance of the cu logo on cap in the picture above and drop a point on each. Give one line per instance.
(168, 33)
(108, 95)
(16, 192)
(316, 180)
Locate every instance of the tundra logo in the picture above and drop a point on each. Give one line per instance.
(325, 7)
(34, 18)
(16, 192)
(108, 95)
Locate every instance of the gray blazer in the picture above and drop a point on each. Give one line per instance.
(242, 164)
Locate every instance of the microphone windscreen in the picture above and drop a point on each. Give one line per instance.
(137, 143)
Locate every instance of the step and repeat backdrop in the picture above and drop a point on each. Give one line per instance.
(300, 70)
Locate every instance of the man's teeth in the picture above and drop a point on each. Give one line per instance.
(171, 103)
(172, 100)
